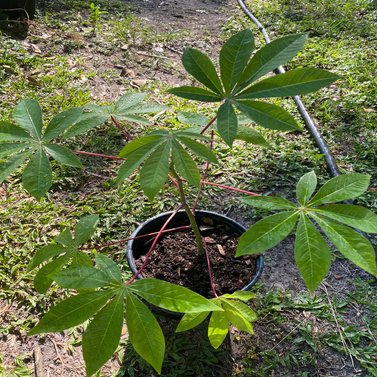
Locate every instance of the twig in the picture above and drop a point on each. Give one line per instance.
(38, 362)
(124, 132)
(209, 268)
(208, 125)
(59, 356)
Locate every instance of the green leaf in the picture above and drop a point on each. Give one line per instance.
(350, 243)
(28, 115)
(60, 122)
(196, 94)
(292, 83)
(241, 309)
(201, 67)
(236, 317)
(42, 279)
(72, 312)
(37, 176)
(144, 108)
(155, 171)
(45, 253)
(266, 233)
(218, 328)
(171, 296)
(81, 277)
(227, 122)
(240, 295)
(192, 118)
(199, 149)
(145, 333)
(352, 215)
(252, 136)
(342, 187)
(129, 100)
(191, 320)
(268, 202)
(101, 338)
(65, 239)
(8, 149)
(11, 132)
(63, 155)
(109, 267)
(306, 187)
(133, 146)
(268, 115)
(7, 167)
(234, 56)
(312, 254)
(185, 165)
(136, 157)
(79, 258)
(271, 56)
(85, 229)
(84, 123)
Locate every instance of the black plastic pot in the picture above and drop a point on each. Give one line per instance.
(140, 246)
(16, 8)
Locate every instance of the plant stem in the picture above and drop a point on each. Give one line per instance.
(190, 215)
(99, 155)
(146, 261)
(210, 270)
(230, 188)
(208, 125)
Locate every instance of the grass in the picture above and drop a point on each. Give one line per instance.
(63, 73)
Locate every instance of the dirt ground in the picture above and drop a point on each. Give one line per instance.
(162, 62)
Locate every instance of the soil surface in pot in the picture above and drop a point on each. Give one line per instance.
(175, 259)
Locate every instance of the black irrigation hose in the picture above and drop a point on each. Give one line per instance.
(322, 146)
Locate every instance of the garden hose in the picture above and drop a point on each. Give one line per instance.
(321, 144)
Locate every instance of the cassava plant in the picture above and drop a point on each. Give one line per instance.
(102, 296)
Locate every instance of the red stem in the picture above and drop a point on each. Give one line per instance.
(158, 235)
(99, 155)
(209, 269)
(230, 188)
(124, 132)
(208, 125)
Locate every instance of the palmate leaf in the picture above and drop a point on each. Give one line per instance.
(109, 267)
(144, 332)
(201, 67)
(11, 132)
(227, 122)
(102, 336)
(239, 315)
(72, 312)
(45, 253)
(171, 297)
(37, 176)
(350, 243)
(312, 254)
(9, 149)
(185, 165)
(196, 94)
(266, 233)
(63, 155)
(191, 320)
(198, 149)
(269, 202)
(28, 115)
(268, 115)
(296, 82)
(352, 215)
(234, 56)
(8, 166)
(81, 277)
(306, 187)
(271, 56)
(342, 187)
(251, 136)
(218, 328)
(85, 229)
(155, 170)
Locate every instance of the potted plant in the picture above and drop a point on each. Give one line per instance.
(102, 296)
